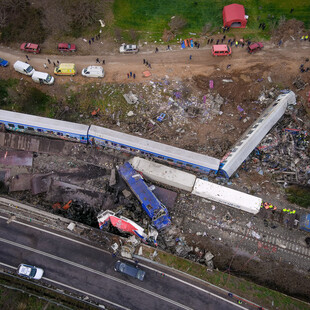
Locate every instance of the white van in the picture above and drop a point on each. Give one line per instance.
(23, 68)
(42, 78)
(93, 71)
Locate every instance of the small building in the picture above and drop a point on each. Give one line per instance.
(234, 16)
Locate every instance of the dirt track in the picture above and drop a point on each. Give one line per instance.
(281, 64)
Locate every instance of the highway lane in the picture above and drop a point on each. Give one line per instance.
(76, 265)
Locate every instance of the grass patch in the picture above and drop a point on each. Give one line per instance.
(299, 195)
(153, 17)
(16, 95)
(5, 86)
(238, 286)
(16, 293)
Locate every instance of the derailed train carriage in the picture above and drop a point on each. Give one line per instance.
(92, 134)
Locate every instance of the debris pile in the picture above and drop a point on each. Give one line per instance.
(285, 154)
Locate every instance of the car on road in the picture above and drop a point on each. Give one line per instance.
(31, 48)
(128, 49)
(130, 270)
(3, 62)
(66, 47)
(30, 272)
(255, 47)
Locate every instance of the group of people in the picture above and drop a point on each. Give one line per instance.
(145, 62)
(93, 39)
(230, 42)
(267, 206)
(130, 74)
(98, 61)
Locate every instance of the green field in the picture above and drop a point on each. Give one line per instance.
(154, 16)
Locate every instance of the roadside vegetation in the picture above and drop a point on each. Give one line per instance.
(263, 296)
(16, 293)
(17, 95)
(299, 195)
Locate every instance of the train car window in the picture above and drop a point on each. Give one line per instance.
(189, 165)
(11, 125)
(39, 130)
(123, 147)
(21, 127)
(161, 157)
(30, 128)
(60, 134)
(169, 159)
(82, 138)
(67, 136)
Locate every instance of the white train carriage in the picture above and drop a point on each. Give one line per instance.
(139, 146)
(227, 196)
(255, 133)
(163, 174)
(31, 124)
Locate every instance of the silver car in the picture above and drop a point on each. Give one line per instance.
(128, 49)
(30, 272)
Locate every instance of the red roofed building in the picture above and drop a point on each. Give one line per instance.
(234, 16)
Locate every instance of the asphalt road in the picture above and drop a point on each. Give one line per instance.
(73, 265)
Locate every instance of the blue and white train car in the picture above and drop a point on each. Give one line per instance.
(143, 147)
(31, 124)
(255, 133)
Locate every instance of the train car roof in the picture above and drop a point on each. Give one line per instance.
(155, 147)
(43, 122)
(255, 133)
(227, 196)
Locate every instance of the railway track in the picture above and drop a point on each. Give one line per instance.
(265, 239)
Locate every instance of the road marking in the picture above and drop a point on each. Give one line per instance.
(96, 272)
(55, 234)
(76, 289)
(194, 286)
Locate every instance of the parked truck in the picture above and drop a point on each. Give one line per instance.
(150, 203)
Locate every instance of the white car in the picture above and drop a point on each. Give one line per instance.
(128, 49)
(93, 71)
(30, 272)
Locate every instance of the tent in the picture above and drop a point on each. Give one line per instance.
(234, 16)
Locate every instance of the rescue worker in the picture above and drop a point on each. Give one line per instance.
(302, 38)
(284, 210)
(306, 38)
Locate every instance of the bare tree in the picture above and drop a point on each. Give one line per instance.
(82, 12)
(177, 23)
(3, 17)
(15, 6)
